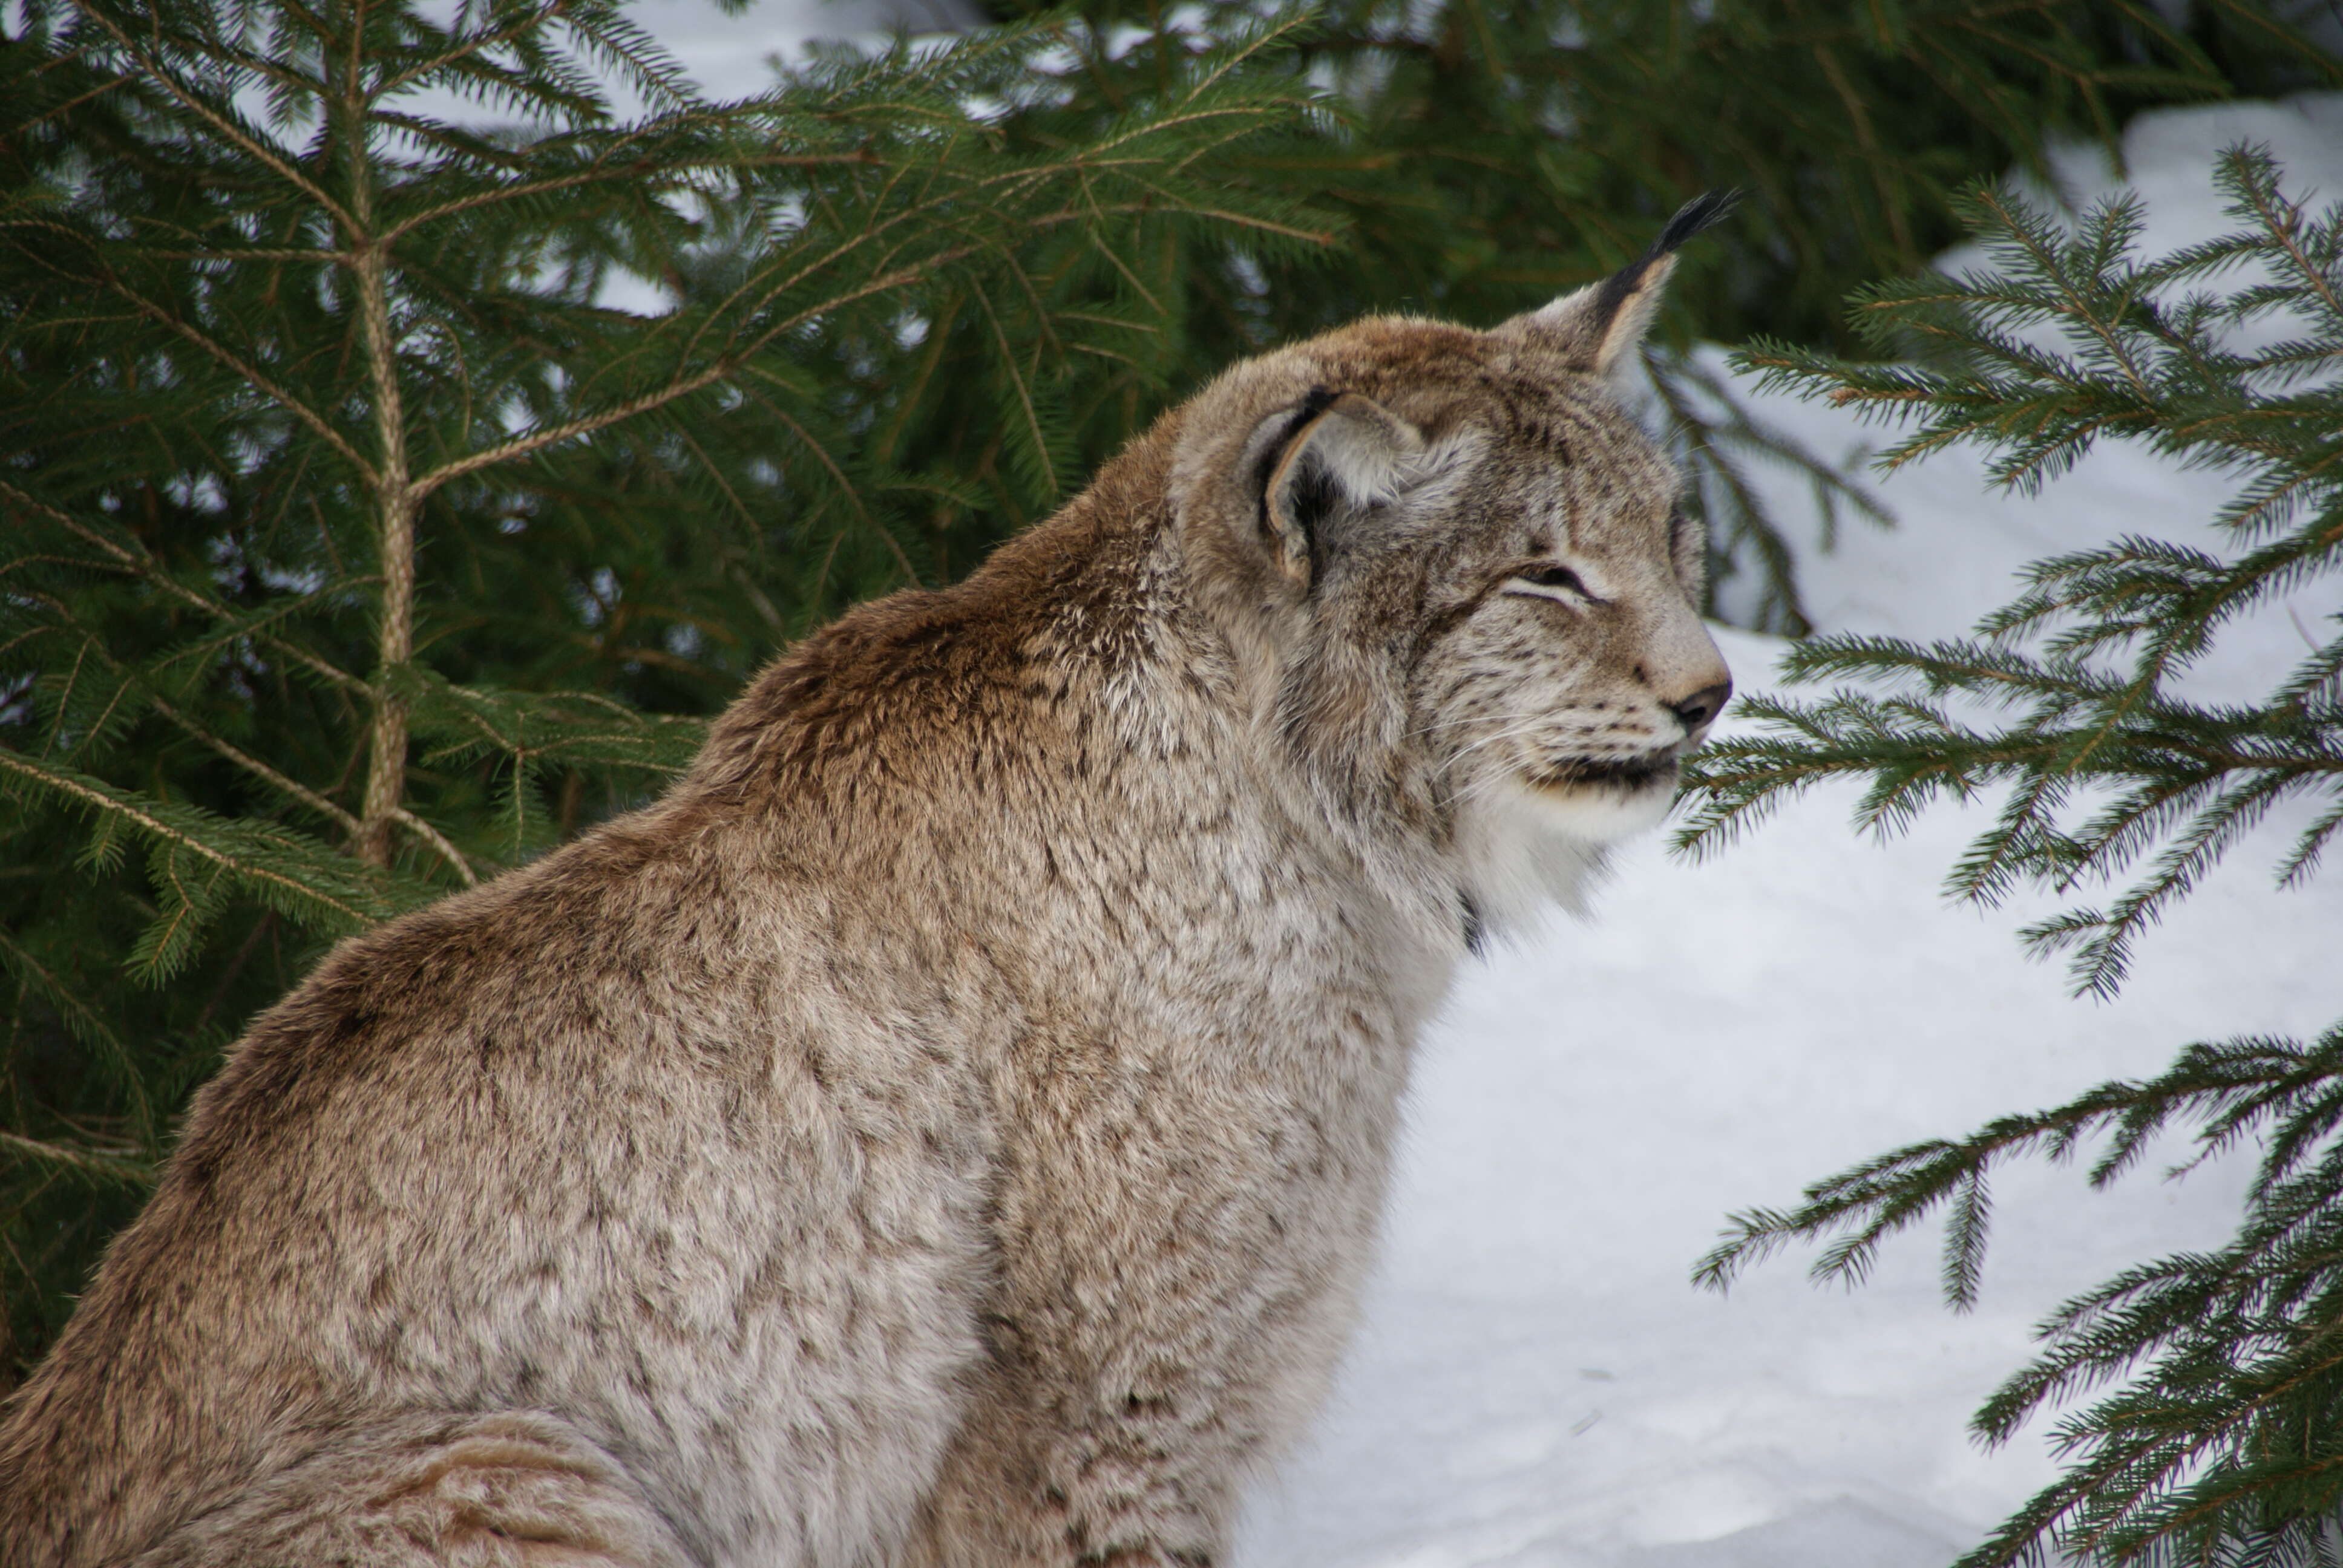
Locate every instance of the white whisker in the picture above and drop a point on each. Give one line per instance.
(1464, 718)
(1518, 729)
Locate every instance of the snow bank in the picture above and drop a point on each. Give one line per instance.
(1535, 1382)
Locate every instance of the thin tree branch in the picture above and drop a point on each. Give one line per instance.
(522, 446)
(262, 770)
(144, 566)
(248, 372)
(470, 46)
(447, 851)
(122, 806)
(630, 171)
(290, 173)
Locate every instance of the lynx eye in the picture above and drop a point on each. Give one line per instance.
(1551, 575)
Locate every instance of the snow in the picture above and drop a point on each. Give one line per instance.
(1534, 1382)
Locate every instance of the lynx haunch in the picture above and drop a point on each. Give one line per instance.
(951, 1127)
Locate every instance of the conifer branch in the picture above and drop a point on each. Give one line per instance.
(2220, 1444)
(259, 769)
(228, 127)
(682, 386)
(87, 1024)
(264, 862)
(139, 564)
(244, 370)
(631, 173)
(123, 1165)
(456, 860)
(431, 65)
(845, 487)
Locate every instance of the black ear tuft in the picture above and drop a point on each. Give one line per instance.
(1704, 211)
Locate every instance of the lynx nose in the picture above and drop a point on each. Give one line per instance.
(1703, 704)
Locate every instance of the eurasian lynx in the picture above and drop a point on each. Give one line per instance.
(951, 1127)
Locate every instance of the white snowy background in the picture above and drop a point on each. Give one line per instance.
(1535, 1382)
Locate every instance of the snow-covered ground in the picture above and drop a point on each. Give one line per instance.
(1535, 1382)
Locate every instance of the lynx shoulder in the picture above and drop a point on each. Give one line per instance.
(951, 1127)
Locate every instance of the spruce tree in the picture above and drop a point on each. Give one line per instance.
(2072, 707)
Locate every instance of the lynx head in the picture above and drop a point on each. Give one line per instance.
(1461, 574)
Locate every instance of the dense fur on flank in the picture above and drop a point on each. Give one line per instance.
(951, 1127)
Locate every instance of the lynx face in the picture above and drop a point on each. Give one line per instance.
(1468, 568)
(1566, 668)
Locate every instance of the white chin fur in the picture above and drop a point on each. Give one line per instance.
(1526, 847)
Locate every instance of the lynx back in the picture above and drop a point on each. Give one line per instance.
(951, 1127)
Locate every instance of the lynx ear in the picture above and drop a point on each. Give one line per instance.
(1314, 466)
(1597, 328)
